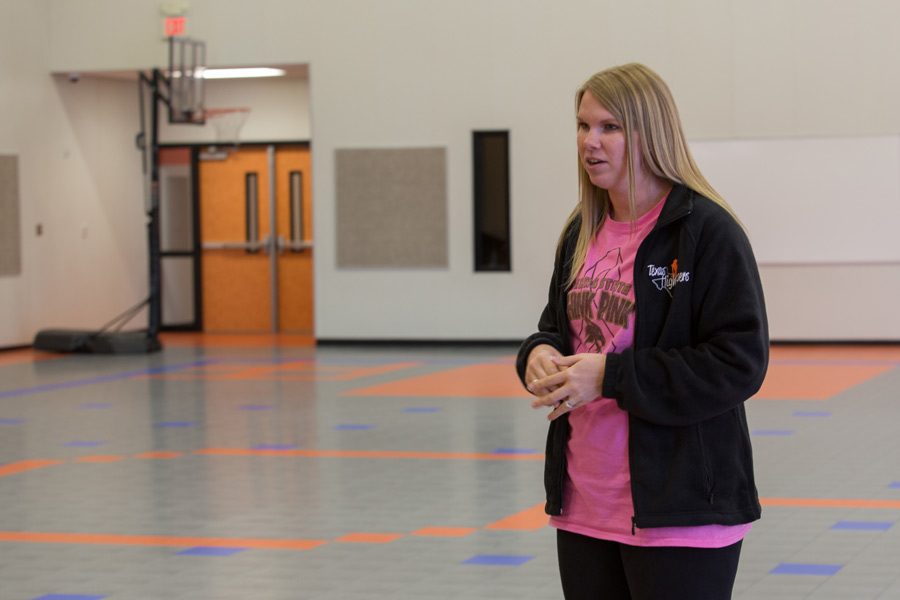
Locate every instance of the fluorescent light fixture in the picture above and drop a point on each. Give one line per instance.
(242, 73)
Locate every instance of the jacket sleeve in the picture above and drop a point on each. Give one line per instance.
(726, 360)
(553, 319)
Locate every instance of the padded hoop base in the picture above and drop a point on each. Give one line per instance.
(91, 342)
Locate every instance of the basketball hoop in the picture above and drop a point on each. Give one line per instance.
(227, 123)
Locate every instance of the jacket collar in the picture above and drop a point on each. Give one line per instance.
(680, 203)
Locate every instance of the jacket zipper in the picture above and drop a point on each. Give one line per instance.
(638, 259)
(561, 483)
(707, 471)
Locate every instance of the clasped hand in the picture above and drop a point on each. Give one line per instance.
(564, 383)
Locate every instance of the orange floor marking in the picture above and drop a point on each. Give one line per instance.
(359, 373)
(217, 372)
(258, 373)
(99, 458)
(301, 370)
(830, 503)
(26, 465)
(26, 355)
(369, 538)
(815, 382)
(836, 352)
(156, 540)
(784, 381)
(475, 381)
(449, 532)
(252, 340)
(370, 454)
(529, 519)
(288, 372)
(159, 455)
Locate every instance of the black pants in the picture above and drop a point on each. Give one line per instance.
(593, 569)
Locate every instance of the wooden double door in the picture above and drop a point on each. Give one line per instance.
(256, 232)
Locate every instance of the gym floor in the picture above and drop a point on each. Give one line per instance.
(261, 468)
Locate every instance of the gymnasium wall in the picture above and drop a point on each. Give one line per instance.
(425, 73)
(12, 76)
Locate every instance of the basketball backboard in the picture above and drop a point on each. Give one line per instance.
(187, 60)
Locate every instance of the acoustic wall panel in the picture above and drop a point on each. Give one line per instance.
(10, 239)
(391, 208)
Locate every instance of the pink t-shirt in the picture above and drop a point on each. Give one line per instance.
(597, 491)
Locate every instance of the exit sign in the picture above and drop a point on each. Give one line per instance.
(174, 26)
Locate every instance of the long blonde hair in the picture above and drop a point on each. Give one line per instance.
(641, 101)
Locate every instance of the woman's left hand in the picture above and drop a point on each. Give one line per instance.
(579, 381)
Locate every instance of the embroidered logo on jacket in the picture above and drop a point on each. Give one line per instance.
(666, 278)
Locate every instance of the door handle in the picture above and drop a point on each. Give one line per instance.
(266, 245)
(252, 246)
(291, 246)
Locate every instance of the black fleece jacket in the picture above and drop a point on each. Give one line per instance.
(700, 351)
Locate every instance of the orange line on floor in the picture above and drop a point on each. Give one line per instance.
(529, 519)
(250, 340)
(261, 373)
(100, 458)
(836, 352)
(26, 465)
(159, 455)
(830, 503)
(815, 382)
(300, 370)
(289, 372)
(450, 532)
(475, 381)
(370, 454)
(361, 372)
(369, 538)
(27, 355)
(156, 540)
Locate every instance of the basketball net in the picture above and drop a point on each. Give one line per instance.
(227, 123)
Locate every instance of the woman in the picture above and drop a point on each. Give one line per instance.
(653, 337)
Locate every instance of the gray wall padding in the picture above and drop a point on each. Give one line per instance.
(10, 239)
(392, 208)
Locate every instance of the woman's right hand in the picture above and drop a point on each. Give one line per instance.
(540, 364)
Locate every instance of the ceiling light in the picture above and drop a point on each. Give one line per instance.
(242, 73)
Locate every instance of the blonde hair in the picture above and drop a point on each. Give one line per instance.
(641, 101)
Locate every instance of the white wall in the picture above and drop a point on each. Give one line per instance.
(19, 84)
(427, 72)
(832, 302)
(93, 256)
(79, 181)
(81, 188)
(70, 140)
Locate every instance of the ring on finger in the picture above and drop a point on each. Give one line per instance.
(569, 404)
